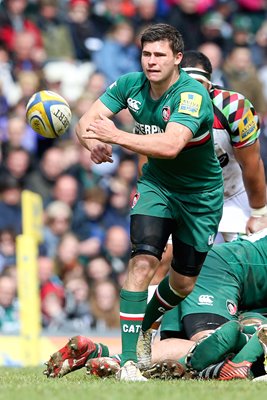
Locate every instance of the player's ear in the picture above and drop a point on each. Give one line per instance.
(178, 58)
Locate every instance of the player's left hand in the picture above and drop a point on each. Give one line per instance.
(102, 129)
(255, 224)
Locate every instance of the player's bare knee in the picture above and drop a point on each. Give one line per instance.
(182, 285)
(142, 267)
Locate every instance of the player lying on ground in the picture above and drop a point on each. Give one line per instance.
(233, 351)
(233, 277)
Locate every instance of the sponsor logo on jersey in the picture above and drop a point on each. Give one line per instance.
(190, 103)
(205, 300)
(166, 113)
(135, 199)
(113, 84)
(211, 239)
(162, 310)
(133, 104)
(143, 129)
(231, 307)
(247, 126)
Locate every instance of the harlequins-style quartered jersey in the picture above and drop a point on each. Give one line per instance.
(246, 260)
(196, 168)
(236, 125)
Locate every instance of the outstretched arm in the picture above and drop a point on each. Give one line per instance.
(161, 145)
(100, 152)
(250, 161)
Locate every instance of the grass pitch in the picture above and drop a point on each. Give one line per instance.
(31, 384)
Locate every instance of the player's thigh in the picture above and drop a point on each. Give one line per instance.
(151, 220)
(198, 216)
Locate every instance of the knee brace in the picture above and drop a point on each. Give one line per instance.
(149, 235)
(186, 259)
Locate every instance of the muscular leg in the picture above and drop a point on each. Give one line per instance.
(134, 301)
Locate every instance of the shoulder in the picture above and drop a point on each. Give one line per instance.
(222, 97)
(187, 84)
(135, 78)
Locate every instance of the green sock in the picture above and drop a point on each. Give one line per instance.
(132, 310)
(216, 346)
(164, 299)
(101, 351)
(251, 351)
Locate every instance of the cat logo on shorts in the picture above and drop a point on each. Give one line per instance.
(231, 307)
(166, 113)
(135, 199)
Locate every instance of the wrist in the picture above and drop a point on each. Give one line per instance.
(259, 212)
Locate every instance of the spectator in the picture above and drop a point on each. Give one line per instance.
(9, 308)
(13, 19)
(98, 269)
(83, 171)
(43, 178)
(17, 164)
(66, 189)
(57, 222)
(184, 15)
(19, 134)
(215, 55)
(55, 32)
(67, 260)
(216, 30)
(9, 87)
(77, 308)
(243, 78)
(106, 13)
(104, 302)
(118, 209)
(10, 204)
(26, 56)
(47, 272)
(52, 306)
(119, 51)
(84, 30)
(96, 84)
(88, 219)
(145, 14)
(117, 248)
(7, 249)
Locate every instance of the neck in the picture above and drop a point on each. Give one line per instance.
(157, 89)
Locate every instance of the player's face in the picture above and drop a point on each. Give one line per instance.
(159, 63)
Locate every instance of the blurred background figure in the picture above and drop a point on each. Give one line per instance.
(104, 302)
(67, 260)
(7, 249)
(242, 77)
(98, 269)
(117, 248)
(57, 222)
(10, 204)
(9, 307)
(119, 51)
(56, 35)
(215, 55)
(42, 179)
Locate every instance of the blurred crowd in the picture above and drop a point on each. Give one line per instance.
(77, 48)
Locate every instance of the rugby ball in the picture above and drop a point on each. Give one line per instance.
(48, 114)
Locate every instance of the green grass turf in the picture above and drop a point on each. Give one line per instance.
(31, 384)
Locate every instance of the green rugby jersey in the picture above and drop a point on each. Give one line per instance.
(246, 260)
(196, 168)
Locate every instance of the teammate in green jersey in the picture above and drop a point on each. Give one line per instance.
(233, 279)
(180, 192)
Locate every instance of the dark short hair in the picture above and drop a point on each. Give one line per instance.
(193, 58)
(157, 32)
